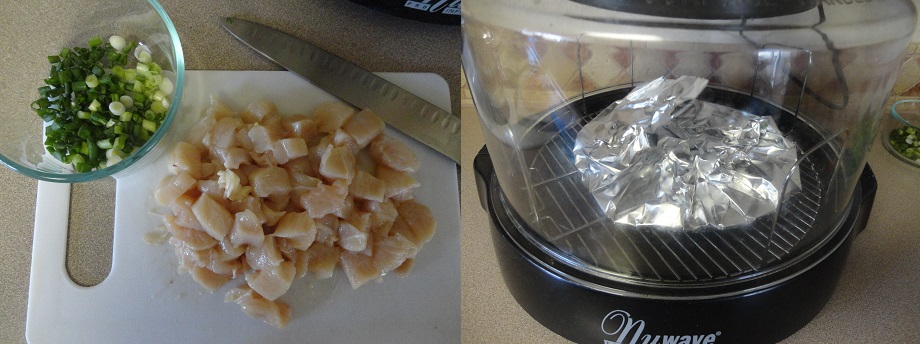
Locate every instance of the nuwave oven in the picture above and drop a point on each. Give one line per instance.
(678, 171)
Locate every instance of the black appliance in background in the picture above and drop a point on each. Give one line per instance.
(444, 12)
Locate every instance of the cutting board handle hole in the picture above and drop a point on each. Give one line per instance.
(90, 231)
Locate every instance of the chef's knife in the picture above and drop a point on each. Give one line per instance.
(404, 111)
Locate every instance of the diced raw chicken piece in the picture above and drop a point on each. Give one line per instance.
(301, 242)
(242, 138)
(223, 134)
(382, 216)
(245, 171)
(405, 267)
(286, 246)
(352, 238)
(193, 238)
(273, 281)
(301, 180)
(366, 186)
(296, 225)
(392, 251)
(349, 208)
(322, 259)
(223, 267)
(213, 217)
(301, 127)
(338, 163)
(229, 182)
(247, 229)
(185, 157)
(174, 186)
(274, 313)
(201, 131)
(324, 199)
(359, 268)
(278, 202)
(301, 165)
(394, 154)
(327, 229)
(301, 263)
(188, 257)
(271, 216)
(270, 180)
(232, 157)
(365, 162)
(369, 248)
(231, 268)
(263, 137)
(332, 115)
(341, 139)
(265, 255)
(397, 182)
(286, 149)
(250, 202)
(229, 251)
(263, 159)
(208, 170)
(420, 224)
(255, 112)
(211, 188)
(273, 123)
(364, 126)
(208, 279)
(218, 109)
(185, 217)
(360, 220)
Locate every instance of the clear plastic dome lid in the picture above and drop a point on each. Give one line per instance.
(649, 144)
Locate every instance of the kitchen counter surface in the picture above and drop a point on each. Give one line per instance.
(876, 301)
(371, 39)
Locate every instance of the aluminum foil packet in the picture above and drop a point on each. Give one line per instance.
(660, 157)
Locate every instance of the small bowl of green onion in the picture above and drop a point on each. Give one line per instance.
(901, 134)
(93, 91)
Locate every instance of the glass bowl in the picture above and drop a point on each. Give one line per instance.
(29, 37)
(900, 134)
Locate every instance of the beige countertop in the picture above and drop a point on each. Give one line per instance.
(371, 39)
(876, 301)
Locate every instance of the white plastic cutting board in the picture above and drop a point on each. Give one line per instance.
(145, 300)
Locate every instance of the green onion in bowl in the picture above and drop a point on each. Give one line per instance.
(70, 24)
(900, 135)
(906, 141)
(101, 102)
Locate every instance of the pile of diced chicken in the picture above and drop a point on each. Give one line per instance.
(272, 198)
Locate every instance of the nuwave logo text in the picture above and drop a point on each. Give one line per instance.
(622, 329)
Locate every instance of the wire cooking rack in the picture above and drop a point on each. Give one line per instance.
(571, 221)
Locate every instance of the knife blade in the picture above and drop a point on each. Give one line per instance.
(397, 107)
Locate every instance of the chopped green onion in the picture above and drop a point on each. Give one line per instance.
(92, 81)
(125, 117)
(144, 56)
(127, 101)
(95, 42)
(117, 42)
(81, 80)
(94, 106)
(78, 86)
(117, 108)
(104, 144)
(149, 125)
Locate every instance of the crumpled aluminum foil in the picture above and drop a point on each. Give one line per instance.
(660, 157)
